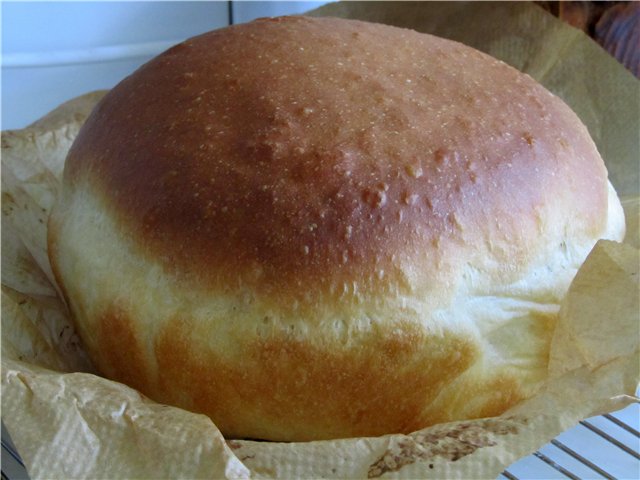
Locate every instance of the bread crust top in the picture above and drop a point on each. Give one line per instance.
(295, 150)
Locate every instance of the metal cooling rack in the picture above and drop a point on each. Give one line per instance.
(607, 447)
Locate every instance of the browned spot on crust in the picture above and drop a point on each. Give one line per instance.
(120, 354)
(288, 389)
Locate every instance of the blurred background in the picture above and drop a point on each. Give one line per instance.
(54, 51)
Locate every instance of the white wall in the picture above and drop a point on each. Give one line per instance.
(245, 11)
(54, 51)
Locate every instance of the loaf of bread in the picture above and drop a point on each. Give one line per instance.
(313, 228)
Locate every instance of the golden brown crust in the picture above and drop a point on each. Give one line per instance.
(291, 149)
(320, 228)
(286, 388)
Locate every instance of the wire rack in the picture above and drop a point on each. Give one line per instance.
(607, 447)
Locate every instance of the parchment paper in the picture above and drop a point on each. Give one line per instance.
(69, 423)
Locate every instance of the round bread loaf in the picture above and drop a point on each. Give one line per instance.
(312, 228)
